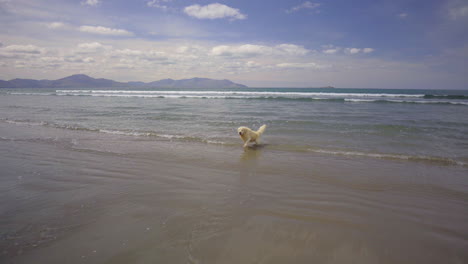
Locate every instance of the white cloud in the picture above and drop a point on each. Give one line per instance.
(91, 2)
(88, 60)
(249, 50)
(213, 11)
(293, 49)
(105, 31)
(128, 52)
(161, 4)
(352, 50)
(56, 25)
(252, 64)
(301, 65)
(92, 47)
(182, 49)
(138, 56)
(305, 5)
(331, 51)
(25, 49)
(191, 50)
(78, 59)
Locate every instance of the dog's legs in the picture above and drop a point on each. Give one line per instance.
(246, 143)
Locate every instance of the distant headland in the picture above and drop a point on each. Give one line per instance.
(85, 81)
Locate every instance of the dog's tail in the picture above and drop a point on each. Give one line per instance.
(261, 129)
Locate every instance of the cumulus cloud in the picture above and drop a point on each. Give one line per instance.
(368, 50)
(214, 11)
(92, 47)
(305, 5)
(105, 31)
(91, 2)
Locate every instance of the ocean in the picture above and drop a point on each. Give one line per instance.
(160, 175)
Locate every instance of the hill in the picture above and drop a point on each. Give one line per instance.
(85, 81)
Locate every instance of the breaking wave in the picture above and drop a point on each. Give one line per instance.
(232, 93)
(406, 101)
(351, 97)
(272, 95)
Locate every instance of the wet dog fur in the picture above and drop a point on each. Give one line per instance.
(250, 136)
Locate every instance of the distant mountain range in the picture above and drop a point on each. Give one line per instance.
(84, 81)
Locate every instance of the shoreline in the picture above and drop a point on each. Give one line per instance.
(287, 149)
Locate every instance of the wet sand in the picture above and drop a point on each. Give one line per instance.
(83, 197)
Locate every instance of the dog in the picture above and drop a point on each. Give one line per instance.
(248, 135)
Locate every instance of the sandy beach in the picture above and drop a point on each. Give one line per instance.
(83, 197)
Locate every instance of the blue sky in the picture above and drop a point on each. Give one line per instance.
(369, 44)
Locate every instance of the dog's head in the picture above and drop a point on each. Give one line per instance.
(241, 131)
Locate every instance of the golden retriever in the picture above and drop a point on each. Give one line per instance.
(248, 135)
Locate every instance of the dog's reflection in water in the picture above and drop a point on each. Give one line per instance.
(249, 161)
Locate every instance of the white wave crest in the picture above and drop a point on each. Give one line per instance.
(237, 93)
(354, 100)
(19, 93)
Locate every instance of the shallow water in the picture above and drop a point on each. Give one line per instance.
(420, 125)
(78, 183)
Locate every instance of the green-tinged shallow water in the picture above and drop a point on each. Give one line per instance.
(157, 176)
